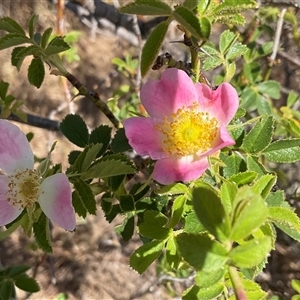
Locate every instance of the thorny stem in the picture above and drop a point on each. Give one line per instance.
(94, 97)
(236, 283)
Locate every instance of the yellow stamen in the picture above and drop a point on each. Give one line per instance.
(188, 131)
(24, 188)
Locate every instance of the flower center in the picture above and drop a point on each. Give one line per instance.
(188, 131)
(23, 188)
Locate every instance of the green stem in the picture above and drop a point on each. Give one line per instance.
(236, 283)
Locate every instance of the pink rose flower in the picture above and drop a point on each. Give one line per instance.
(21, 186)
(187, 123)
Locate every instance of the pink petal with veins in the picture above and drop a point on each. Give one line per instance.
(15, 151)
(56, 201)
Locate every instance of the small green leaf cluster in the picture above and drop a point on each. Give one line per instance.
(9, 105)
(125, 101)
(16, 276)
(41, 47)
(229, 50)
(100, 159)
(196, 19)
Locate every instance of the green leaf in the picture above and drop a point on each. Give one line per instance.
(292, 98)
(109, 168)
(13, 39)
(101, 134)
(192, 224)
(251, 253)
(232, 7)
(243, 178)
(228, 192)
(45, 37)
(296, 285)
(200, 29)
(126, 230)
(36, 72)
(212, 62)
(227, 38)
(152, 226)
(86, 196)
(78, 204)
(16, 270)
(253, 164)
(115, 182)
(27, 284)
(236, 50)
(56, 46)
(260, 136)
(207, 293)
(249, 97)
(173, 189)
(146, 8)
(152, 46)
(210, 211)
(264, 185)
(90, 155)
(230, 71)
(263, 105)
(141, 259)
(283, 151)
(234, 164)
(119, 142)
(19, 53)
(207, 279)
(10, 25)
(31, 24)
(201, 252)
(126, 203)
(286, 220)
(277, 199)
(6, 289)
(177, 210)
(270, 88)
(172, 254)
(75, 130)
(42, 233)
(191, 4)
(3, 89)
(249, 213)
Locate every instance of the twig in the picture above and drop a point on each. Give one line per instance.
(272, 58)
(277, 35)
(94, 97)
(37, 121)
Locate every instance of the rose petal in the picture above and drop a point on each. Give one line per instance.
(163, 97)
(56, 201)
(15, 151)
(221, 103)
(223, 140)
(8, 213)
(143, 137)
(172, 169)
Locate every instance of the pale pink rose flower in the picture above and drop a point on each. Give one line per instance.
(187, 123)
(21, 186)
